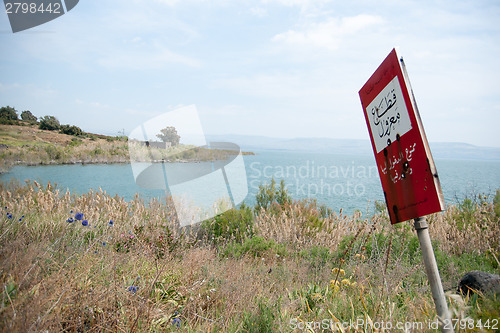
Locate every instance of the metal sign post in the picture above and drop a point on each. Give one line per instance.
(432, 271)
(404, 161)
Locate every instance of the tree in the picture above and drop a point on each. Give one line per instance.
(169, 134)
(270, 194)
(49, 123)
(71, 130)
(8, 113)
(28, 116)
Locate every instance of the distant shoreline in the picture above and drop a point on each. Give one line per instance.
(5, 167)
(30, 146)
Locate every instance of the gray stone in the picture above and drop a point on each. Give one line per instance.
(485, 283)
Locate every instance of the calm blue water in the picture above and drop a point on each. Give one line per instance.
(339, 181)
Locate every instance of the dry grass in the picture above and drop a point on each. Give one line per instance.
(145, 274)
(14, 135)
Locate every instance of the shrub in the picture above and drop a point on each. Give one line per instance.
(49, 123)
(28, 116)
(496, 203)
(256, 246)
(70, 130)
(271, 195)
(75, 142)
(53, 152)
(8, 113)
(233, 224)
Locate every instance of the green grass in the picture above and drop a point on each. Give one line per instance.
(256, 247)
(11, 138)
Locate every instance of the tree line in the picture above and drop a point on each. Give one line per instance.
(9, 116)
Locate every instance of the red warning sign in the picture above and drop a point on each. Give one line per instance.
(404, 161)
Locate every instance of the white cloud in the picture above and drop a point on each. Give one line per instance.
(28, 90)
(156, 57)
(330, 33)
(168, 2)
(297, 3)
(129, 36)
(259, 11)
(262, 85)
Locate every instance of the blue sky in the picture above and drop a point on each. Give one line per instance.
(279, 68)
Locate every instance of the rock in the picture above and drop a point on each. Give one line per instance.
(486, 283)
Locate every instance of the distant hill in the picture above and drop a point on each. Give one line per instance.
(463, 151)
(440, 150)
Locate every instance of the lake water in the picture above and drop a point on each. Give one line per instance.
(339, 181)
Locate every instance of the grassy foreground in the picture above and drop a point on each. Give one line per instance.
(294, 266)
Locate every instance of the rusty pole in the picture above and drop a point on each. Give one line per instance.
(432, 271)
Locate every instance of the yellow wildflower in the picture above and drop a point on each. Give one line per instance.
(345, 283)
(317, 296)
(358, 255)
(334, 283)
(334, 287)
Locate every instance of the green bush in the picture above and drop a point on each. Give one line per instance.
(271, 196)
(256, 246)
(233, 224)
(315, 214)
(75, 142)
(496, 203)
(465, 214)
(53, 152)
(5, 121)
(70, 130)
(465, 262)
(49, 123)
(96, 152)
(8, 113)
(28, 116)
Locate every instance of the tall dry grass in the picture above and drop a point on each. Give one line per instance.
(143, 273)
